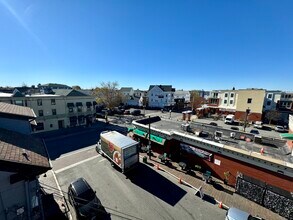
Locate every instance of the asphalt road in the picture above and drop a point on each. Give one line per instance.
(144, 194)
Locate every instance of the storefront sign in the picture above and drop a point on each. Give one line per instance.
(217, 162)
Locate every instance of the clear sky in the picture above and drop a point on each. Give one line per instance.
(205, 44)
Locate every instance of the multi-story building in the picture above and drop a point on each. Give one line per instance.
(286, 101)
(181, 94)
(160, 96)
(65, 108)
(214, 98)
(272, 97)
(251, 100)
(23, 158)
(227, 101)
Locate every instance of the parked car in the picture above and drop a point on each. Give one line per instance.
(229, 119)
(127, 112)
(279, 128)
(213, 124)
(83, 198)
(135, 112)
(258, 124)
(237, 214)
(234, 128)
(254, 131)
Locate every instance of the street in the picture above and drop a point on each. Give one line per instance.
(143, 194)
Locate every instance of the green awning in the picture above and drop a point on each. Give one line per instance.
(140, 133)
(130, 129)
(158, 139)
(287, 136)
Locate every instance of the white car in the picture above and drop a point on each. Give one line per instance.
(279, 128)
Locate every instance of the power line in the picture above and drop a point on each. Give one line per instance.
(82, 199)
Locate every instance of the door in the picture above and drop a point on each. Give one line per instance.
(60, 124)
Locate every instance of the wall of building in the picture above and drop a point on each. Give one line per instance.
(159, 98)
(251, 117)
(21, 126)
(14, 196)
(257, 100)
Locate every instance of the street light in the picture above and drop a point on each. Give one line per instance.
(149, 151)
(246, 115)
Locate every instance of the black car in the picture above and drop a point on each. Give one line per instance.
(135, 112)
(234, 128)
(213, 124)
(254, 131)
(84, 200)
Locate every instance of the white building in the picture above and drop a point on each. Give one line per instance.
(181, 94)
(160, 96)
(227, 100)
(271, 99)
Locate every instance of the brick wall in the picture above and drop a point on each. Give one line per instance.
(234, 166)
(251, 117)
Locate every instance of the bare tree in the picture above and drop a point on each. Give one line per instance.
(272, 115)
(108, 94)
(196, 100)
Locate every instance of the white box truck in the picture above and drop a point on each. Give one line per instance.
(120, 149)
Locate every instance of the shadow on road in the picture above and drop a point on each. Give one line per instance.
(70, 139)
(154, 183)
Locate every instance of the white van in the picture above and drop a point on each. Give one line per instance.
(229, 119)
(258, 124)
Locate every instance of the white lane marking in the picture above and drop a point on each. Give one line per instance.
(60, 191)
(76, 152)
(75, 164)
(102, 160)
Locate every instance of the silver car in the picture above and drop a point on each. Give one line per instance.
(237, 214)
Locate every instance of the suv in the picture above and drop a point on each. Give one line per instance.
(84, 200)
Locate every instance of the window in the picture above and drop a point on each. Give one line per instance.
(270, 96)
(232, 95)
(51, 125)
(282, 96)
(40, 126)
(226, 95)
(231, 102)
(39, 101)
(54, 112)
(25, 102)
(41, 113)
(53, 102)
(79, 108)
(225, 101)
(18, 102)
(70, 109)
(268, 102)
(249, 100)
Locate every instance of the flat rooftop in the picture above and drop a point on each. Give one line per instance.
(274, 148)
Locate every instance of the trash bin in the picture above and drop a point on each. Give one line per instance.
(145, 159)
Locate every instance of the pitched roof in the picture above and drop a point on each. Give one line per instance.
(126, 89)
(165, 88)
(68, 92)
(15, 110)
(19, 149)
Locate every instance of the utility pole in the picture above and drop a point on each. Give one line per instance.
(246, 115)
(150, 148)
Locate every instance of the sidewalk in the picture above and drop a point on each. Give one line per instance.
(54, 204)
(218, 191)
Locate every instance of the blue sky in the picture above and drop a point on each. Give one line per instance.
(206, 44)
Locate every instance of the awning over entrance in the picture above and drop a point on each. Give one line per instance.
(157, 139)
(287, 136)
(140, 133)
